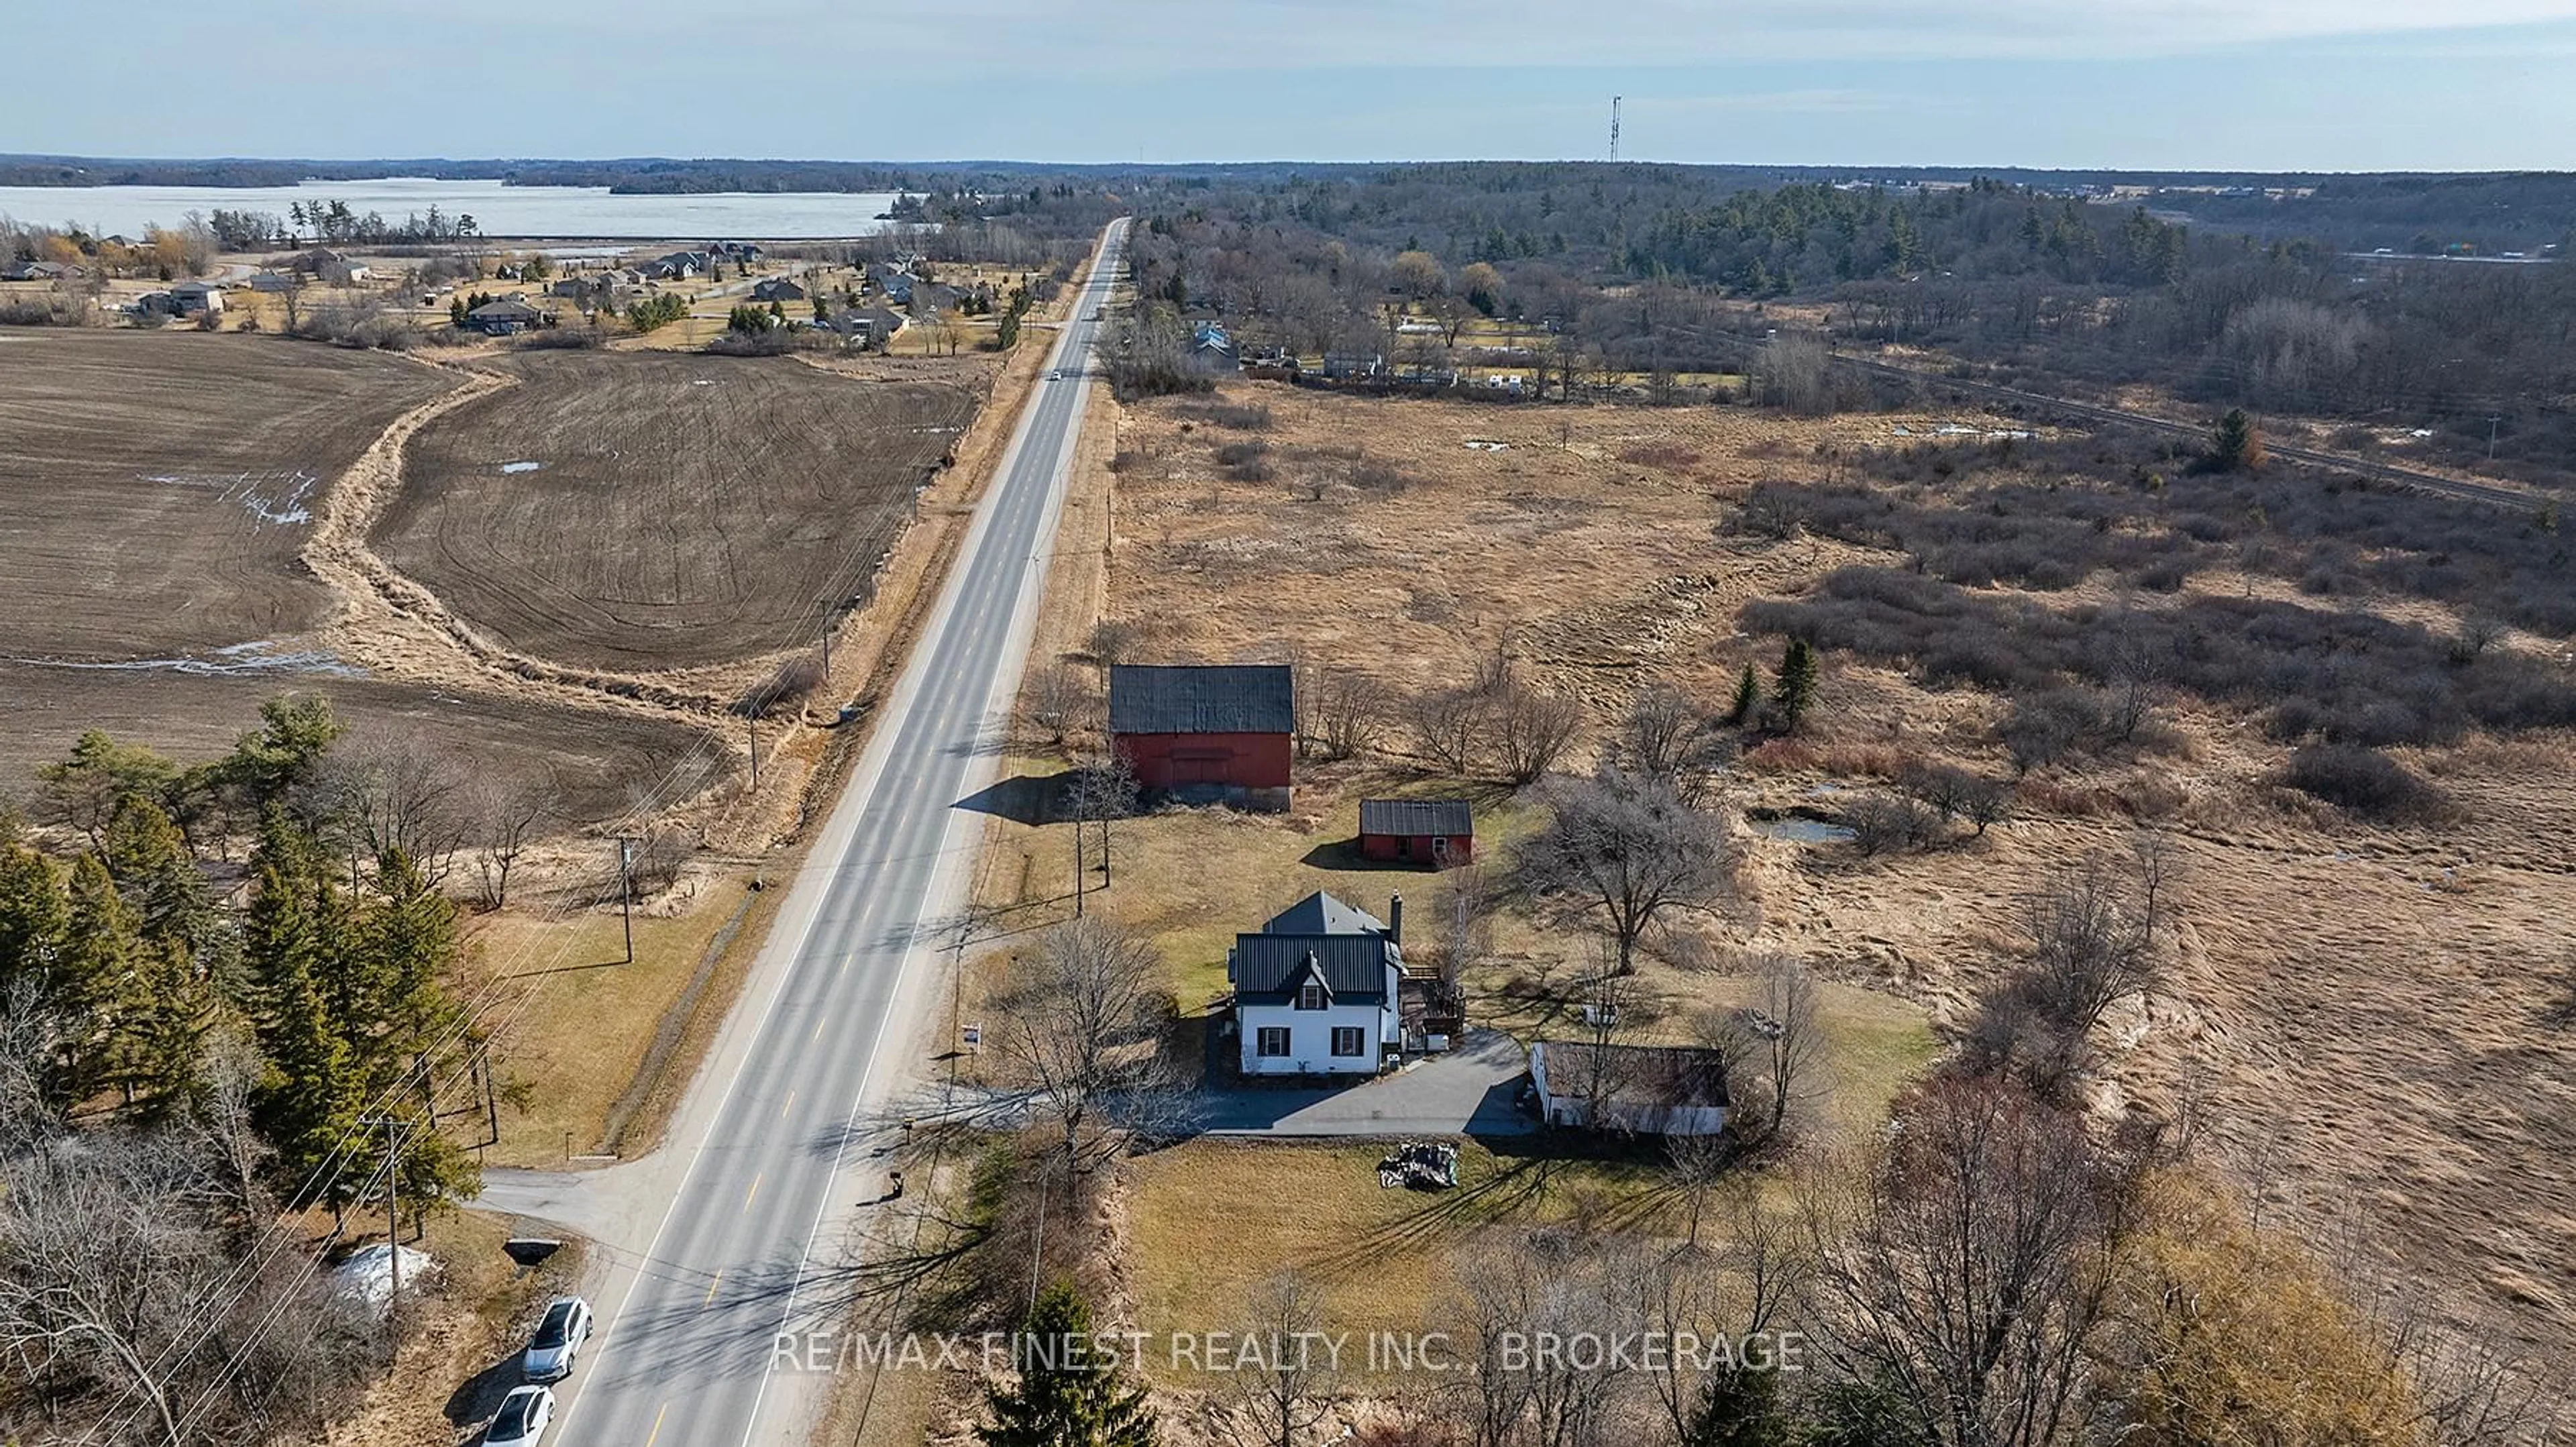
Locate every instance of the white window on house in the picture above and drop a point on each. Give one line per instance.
(1310, 996)
(1439, 846)
(1271, 1042)
(1349, 1040)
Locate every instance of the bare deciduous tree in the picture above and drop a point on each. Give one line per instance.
(1448, 726)
(507, 818)
(1524, 1288)
(1059, 703)
(1112, 642)
(1084, 1021)
(1344, 713)
(393, 792)
(1774, 1048)
(1971, 1276)
(1627, 846)
(1666, 737)
(1531, 732)
(1293, 1388)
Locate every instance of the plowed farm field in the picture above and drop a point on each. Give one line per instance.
(636, 511)
(156, 492)
(155, 489)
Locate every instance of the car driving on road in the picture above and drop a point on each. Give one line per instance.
(557, 1339)
(523, 1418)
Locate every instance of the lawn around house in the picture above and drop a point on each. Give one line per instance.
(1210, 1220)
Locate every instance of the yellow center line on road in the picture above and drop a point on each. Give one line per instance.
(657, 1424)
(754, 1191)
(702, 1301)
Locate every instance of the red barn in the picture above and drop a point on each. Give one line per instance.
(1437, 832)
(1206, 735)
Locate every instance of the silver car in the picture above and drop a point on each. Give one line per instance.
(558, 1339)
(524, 1416)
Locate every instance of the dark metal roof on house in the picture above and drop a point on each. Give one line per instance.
(1321, 914)
(1416, 816)
(1268, 968)
(1229, 699)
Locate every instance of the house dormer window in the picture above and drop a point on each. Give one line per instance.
(1310, 996)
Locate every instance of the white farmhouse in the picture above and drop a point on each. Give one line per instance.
(1319, 990)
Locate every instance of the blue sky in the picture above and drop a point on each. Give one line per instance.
(2230, 84)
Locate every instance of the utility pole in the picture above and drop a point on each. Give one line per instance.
(754, 722)
(1614, 129)
(626, 891)
(2492, 423)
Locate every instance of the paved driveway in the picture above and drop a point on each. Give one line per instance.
(1468, 1091)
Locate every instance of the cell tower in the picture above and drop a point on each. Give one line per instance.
(1614, 127)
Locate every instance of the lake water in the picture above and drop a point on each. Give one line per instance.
(498, 210)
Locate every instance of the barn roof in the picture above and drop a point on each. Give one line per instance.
(1268, 968)
(1416, 816)
(1227, 699)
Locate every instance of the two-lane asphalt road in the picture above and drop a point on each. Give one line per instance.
(776, 1141)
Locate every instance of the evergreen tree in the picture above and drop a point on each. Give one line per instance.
(1741, 1407)
(1065, 1397)
(1748, 697)
(97, 986)
(35, 916)
(2236, 445)
(309, 1101)
(149, 859)
(293, 731)
(85, 789)
(1794, 689)
(409, 941)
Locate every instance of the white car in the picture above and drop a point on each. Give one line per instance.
(558, 1338)
(1055, 376)
(524, 1416)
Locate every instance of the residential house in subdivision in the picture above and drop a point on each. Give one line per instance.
(506, 317)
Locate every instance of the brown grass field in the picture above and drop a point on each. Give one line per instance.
(684, 510)
(2369, 1026)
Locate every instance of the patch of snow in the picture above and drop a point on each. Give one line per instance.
(262, 655)
(275, 497)
(367, 1276)
(702, 382)
(1485, 444)
(522, 466)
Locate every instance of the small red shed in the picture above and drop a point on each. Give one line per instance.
(1216, 734)
(1434, 832)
